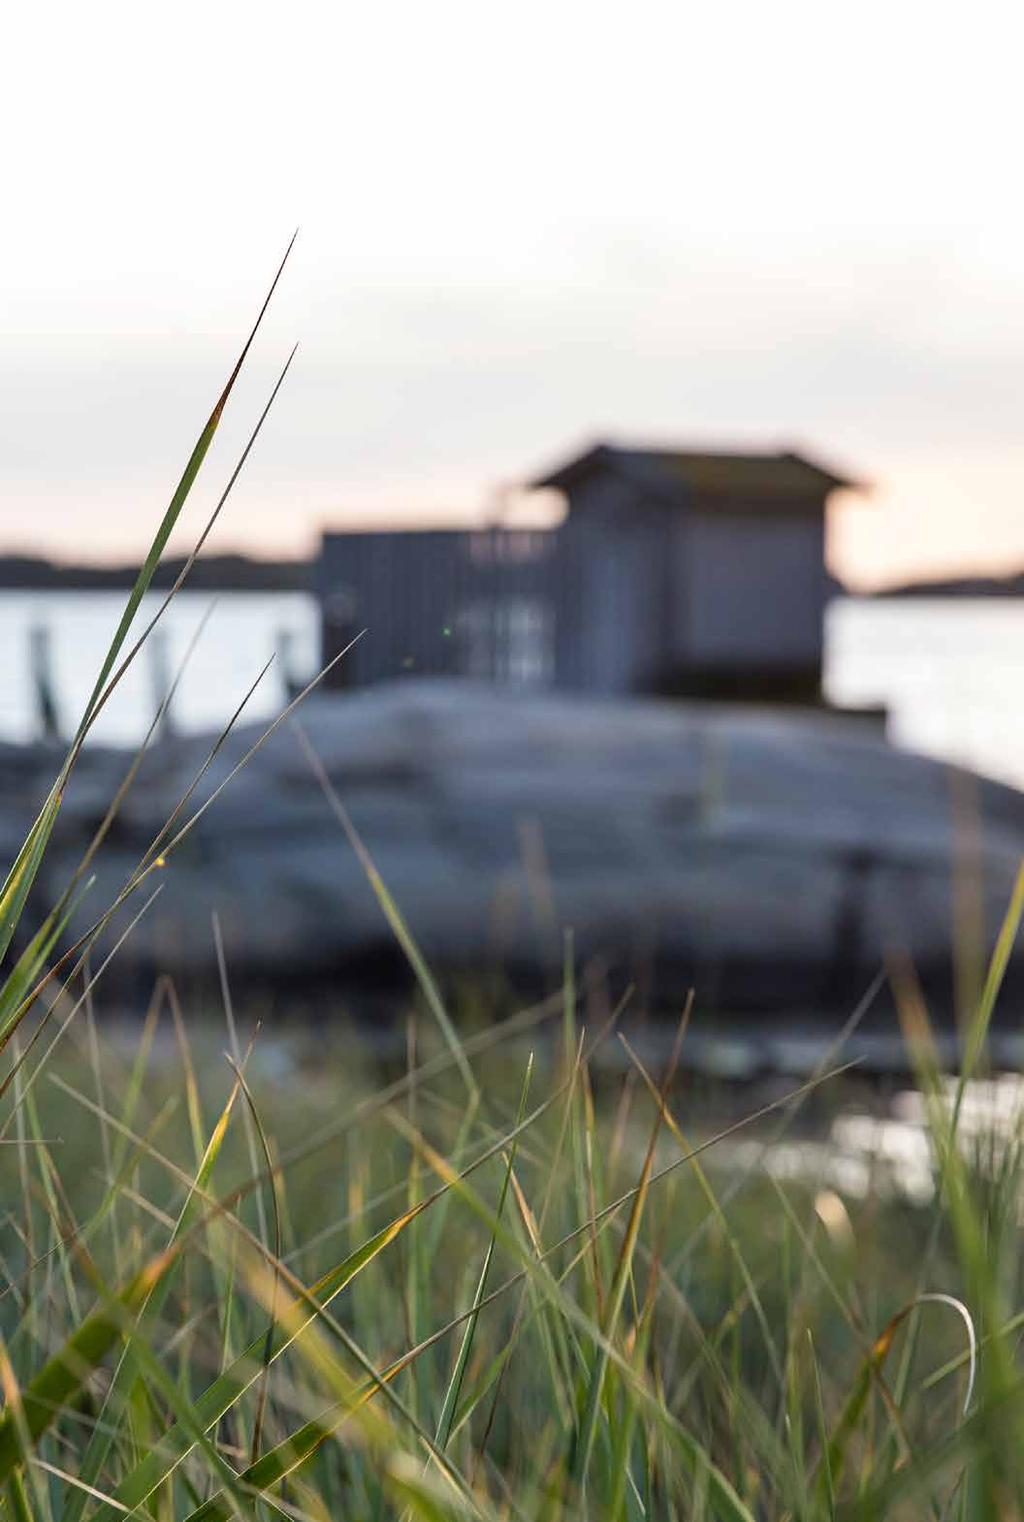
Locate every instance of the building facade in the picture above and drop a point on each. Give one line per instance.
(673, 571)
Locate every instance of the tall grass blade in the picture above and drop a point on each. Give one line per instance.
(275, 1203)
(173, 512)
(451, 1396)
(222, 1394)
(978, 1029)
(14, 893)
(584, 1440)
(125, 1375)
(64, 1375)
(20, 878)
(394, 917)
(25, 972)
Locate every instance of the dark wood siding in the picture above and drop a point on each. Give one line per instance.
(433, 603)
(645, 587)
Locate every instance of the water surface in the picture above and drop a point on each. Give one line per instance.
(951, 671)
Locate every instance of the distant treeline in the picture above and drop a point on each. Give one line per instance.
(964, 586)
(240, 573)
(212, 573)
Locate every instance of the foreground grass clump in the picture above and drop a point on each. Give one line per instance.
(487, 1285)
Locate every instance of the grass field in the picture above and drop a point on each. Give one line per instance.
(482, 1285)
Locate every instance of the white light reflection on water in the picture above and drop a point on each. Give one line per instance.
(892, 1157)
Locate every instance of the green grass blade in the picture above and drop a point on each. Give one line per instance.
(171, 515)
(120, 1388)
(223, 1393)
(451, 1397)
(278, 1462)
(275, 1252)
(20, 878)
(25, 971)
(715, 1206)
(192, 557)
(977, 1034)
(584, 1440)
(64, 1375)
(394, 917)
(295, 1317)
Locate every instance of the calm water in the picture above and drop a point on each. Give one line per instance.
(951, 672)
(243, 630)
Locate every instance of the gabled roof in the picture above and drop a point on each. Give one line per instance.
(712, 472)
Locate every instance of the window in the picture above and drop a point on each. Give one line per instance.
(508, 640)
(526, 645)
(508, 546)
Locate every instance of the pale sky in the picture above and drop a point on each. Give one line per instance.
(523, 228)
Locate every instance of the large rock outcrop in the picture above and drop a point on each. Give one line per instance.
(773, 858)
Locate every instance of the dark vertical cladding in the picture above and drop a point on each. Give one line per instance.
(674, 571)
(437, 603)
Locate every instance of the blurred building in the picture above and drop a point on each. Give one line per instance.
(674, 571)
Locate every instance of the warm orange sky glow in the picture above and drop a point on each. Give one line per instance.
(942, 516)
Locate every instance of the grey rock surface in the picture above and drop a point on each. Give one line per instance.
(773, 857)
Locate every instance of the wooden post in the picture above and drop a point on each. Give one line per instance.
(284, 650)
(160, 680)
(43, 687)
